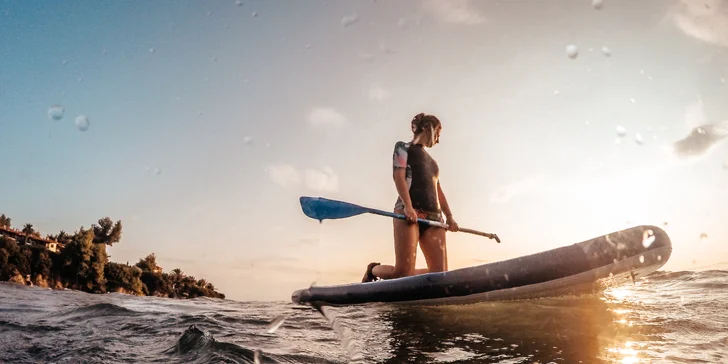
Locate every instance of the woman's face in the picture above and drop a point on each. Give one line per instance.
(434, 135)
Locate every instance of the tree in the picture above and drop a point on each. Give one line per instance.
(14, 259)
(83, 262)
(5, 222)
(29, 230)
(148, 264)
(121, 276)
(41, 263)
(106, 232)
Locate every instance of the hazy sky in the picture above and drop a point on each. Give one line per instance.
(209, 119)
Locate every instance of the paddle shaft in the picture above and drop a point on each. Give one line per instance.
(432, 223)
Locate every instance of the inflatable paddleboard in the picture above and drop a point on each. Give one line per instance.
(608, 260)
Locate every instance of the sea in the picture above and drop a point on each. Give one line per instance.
(667, 317)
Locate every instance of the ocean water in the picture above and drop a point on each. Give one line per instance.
(668, 317)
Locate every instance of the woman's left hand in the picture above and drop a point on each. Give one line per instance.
(451, 224)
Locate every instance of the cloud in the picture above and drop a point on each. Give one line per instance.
(701, 140)
(506, 193)
(703, 136)
(703, 20)
(284, 175)
(454, 11)
(288, 176)
(323, 116)
(322, 181)
(379, 94)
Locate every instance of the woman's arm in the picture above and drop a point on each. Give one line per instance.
(443, 201)
(400, 181)
(446, 208)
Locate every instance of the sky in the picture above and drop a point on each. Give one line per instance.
(562, 121)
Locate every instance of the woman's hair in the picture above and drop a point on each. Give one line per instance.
(423, 122)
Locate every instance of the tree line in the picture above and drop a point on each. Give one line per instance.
(82, 264)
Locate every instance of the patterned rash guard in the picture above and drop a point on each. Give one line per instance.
(422, 173)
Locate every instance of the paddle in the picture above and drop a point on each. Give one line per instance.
(320, 208)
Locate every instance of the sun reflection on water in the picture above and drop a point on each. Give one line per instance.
(619, 293)
(627, 353)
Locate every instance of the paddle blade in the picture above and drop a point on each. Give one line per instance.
(320, 208)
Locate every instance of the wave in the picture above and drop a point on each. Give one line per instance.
(100, 310)
(687, 275)
(198, 346)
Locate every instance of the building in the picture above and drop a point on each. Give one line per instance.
(18, 236)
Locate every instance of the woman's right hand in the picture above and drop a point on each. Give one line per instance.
(410, 214)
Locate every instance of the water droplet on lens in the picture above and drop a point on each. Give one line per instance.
(239, 2)
(606, 52)
(556, 92)
(151, 50)
(572, 51)
(642, 258)
(621, 131)
(199, 113)
(722, 80)
(632, 100)
(349, 20)
(247, 140)
(648, 237)
(308, 46)
(82, 123)
(254, 14)
(597, 4)
(56, 112)
(64, 62)
(638, 138)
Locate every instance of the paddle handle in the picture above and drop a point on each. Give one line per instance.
(434, 223)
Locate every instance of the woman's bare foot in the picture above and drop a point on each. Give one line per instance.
(368, 276)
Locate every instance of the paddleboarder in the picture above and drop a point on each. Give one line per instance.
(416, 176)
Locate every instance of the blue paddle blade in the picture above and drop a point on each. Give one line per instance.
(320, 208)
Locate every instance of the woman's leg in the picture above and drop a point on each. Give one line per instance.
(434, 248)
(405, 252)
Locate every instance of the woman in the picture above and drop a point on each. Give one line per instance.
(416, 176)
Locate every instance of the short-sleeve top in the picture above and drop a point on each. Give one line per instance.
(422, 173)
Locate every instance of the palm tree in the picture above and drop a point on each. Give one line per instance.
(4, 221)
(28, 229)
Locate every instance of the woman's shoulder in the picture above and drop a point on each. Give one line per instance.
(402, 145)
